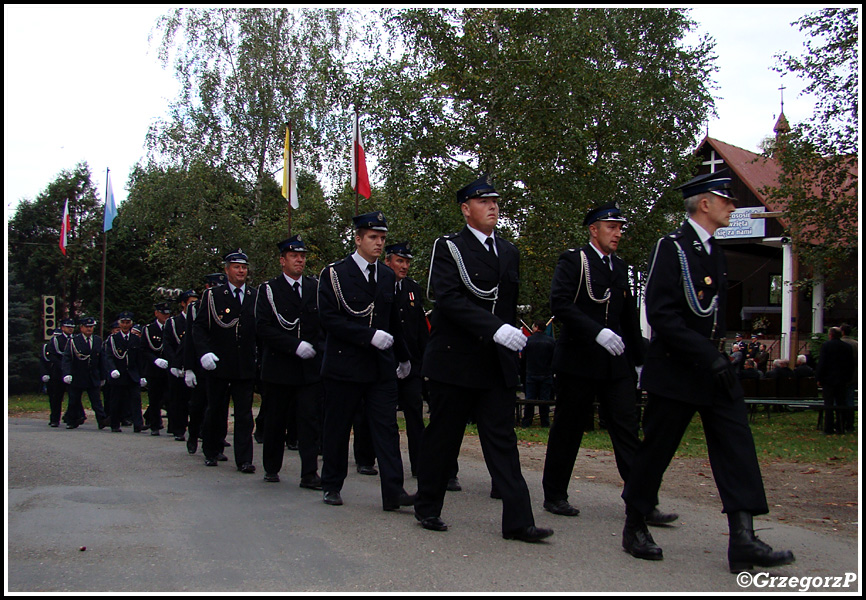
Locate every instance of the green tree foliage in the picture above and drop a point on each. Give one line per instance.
(245, 73)
(23, 349)
(819, 183)
(566, 108)
(34, 234)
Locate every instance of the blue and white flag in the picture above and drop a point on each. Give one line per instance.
(110, 208)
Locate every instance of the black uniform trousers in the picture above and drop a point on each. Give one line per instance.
(56, 389)
(75, 408)
(574, 398)
(178, 405)
(219, 392)
(198, 405)
(342, 400)
(492, 409)
(157, 393)
(411, 402)
(125, 399)
(278, 402)
(730, 447)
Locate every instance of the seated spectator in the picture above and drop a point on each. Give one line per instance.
(763, 358)
(737, 356)
(803, 369)
(781, 369)
(750, 370)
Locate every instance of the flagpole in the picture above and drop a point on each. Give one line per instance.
(289, 126)
(102, 294)
(355, 152)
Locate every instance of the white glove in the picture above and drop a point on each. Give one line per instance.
(142, 382)
(305, 350)
(382, 339)
(403, 369)
(510, 337)
(115, 374)
(102, 383)
(46, 378)
(176, 372)
(209, 361)
(67, 379)
(610, 341)
(189, 379)
(161, 363)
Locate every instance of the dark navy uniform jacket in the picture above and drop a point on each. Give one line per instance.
(124, 356)
(235, 346)
(280, 364)
(684, 342)
(577, 352)
(84, 362)
(349, 354)
(461, 350)
(410, 303)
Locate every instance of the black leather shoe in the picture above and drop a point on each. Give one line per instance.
(210, 462)
(126, 423)
(432, 523)
(247, 468)
(72, 426)
(657, 517)
(272, 478)
(332, 498)
(116, 430)
(259, 438)
(453, 485)
(180, 438)
(404, 500)
(561, 507)
(154, 432)
(103, 423)
(367, 470)
(226, 444)
(53, 424)
(637, 541)
(222, 457)
(529, 534)
(191, 445)
(311, 482)
(745, 550)
(137, 429)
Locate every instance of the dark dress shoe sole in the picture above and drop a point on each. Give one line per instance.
(247, 468)
(311, 485)
(645, 555)
(528, 534)
(432, 523)
(222, 457)
(332, 498)
(561, 508)
(209, 462)
(54, 425)
(272, 478)
(367, 471)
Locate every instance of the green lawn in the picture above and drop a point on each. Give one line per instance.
(787, 436)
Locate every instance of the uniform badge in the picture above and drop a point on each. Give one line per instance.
(412, 296)
(698, 246)
(700, 294)
(228, 310)
(708, 280)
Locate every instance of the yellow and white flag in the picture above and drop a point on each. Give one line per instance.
(290, 178)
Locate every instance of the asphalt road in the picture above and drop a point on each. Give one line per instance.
(94, 511)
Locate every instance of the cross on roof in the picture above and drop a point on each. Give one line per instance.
(713, 161)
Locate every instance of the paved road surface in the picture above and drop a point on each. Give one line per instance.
(152, 518)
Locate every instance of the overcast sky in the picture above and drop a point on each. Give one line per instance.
(82, 83)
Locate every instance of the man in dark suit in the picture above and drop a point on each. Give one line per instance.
(835, 366)
(595, 357)
(538, 384)
(155, 366)
(83, 372)
(687, 371)
(178, 394)
(364, 342)
(410, 303)
(225, 339)
(194, 375)
(292, 342)
(122, 358)
(472, 364)
(55, 347)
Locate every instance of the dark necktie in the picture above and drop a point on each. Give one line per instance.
(490, 246)
(712, 243)
(297, 287)
(606, 261)
(371, 276)
(238, 295)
